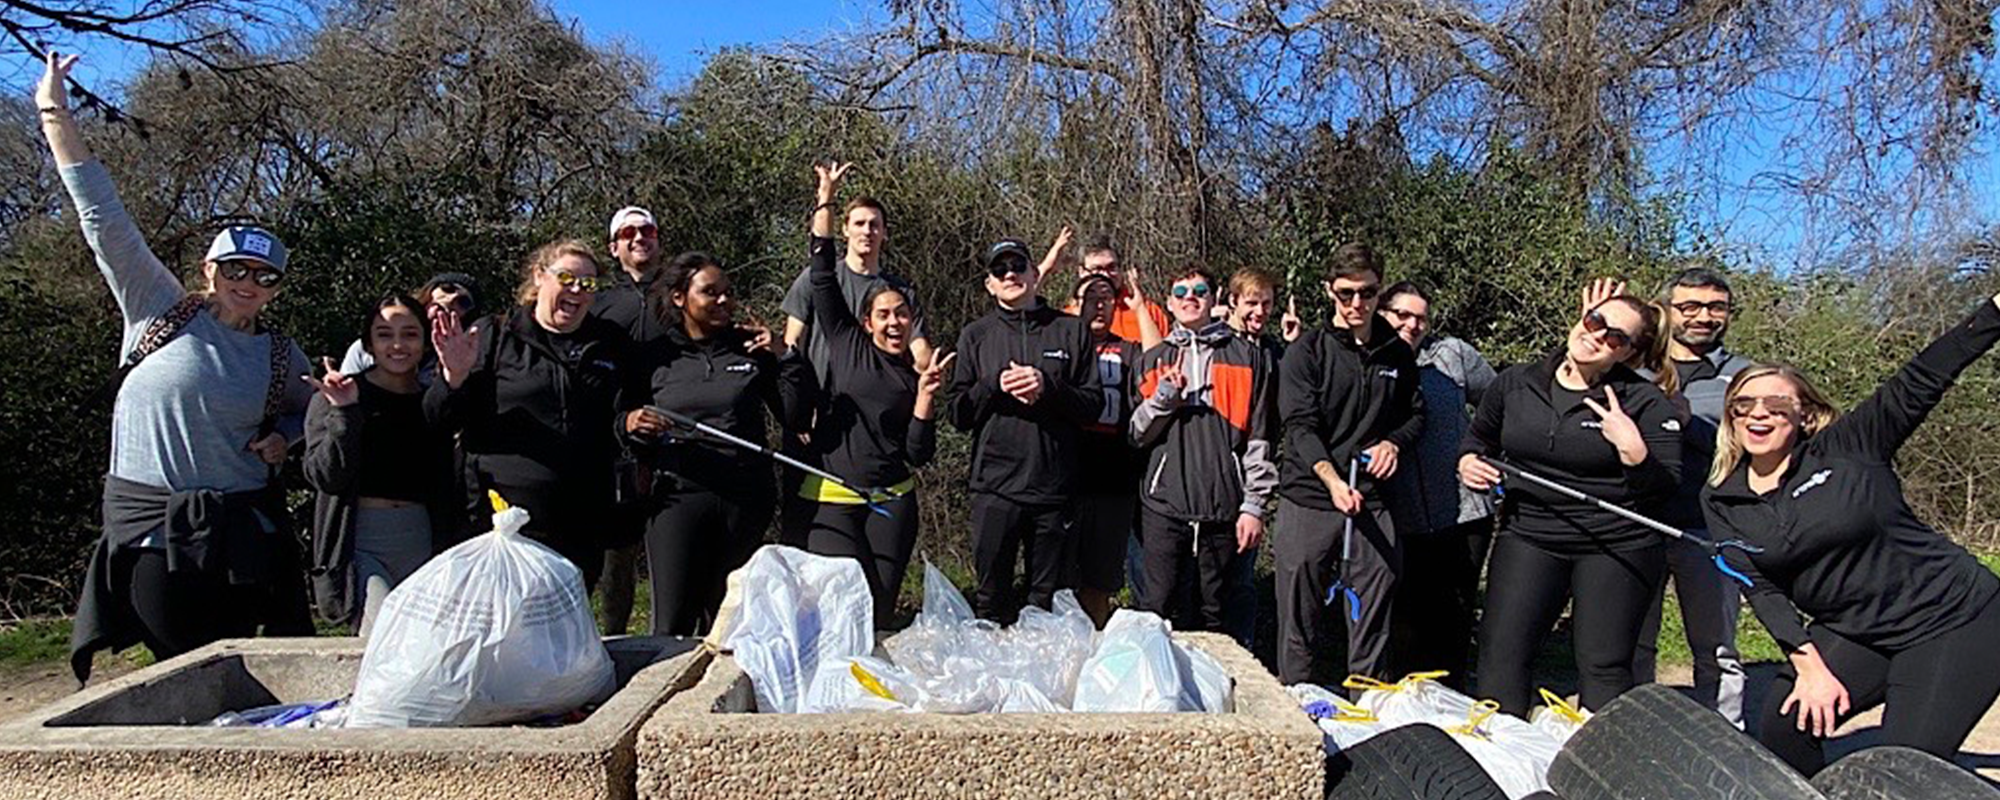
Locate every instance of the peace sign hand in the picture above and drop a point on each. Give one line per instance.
(340, 390)
(1619, 429)
(931, 379)
(1289, 325)
(831, 175)
(49, 93)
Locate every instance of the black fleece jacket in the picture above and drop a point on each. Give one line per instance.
(718, 382)
(867, 432)
(1525, 421)
(1025, 453)
(1337, 398)
(1840, 542)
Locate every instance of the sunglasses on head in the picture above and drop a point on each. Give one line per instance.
(1197, 289)
(1780, 404)
(1719, 308)
(1614, 338)
(570, 280)
(262, 276)
(1365, 293)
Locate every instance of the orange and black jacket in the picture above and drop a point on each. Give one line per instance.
(1207, 444)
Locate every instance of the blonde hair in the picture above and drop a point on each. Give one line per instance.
(1816, 412)
(546, 256)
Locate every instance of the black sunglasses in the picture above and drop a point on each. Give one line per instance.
(1365, 293)
(1594, 322)
(262, 276)
(1007, 265)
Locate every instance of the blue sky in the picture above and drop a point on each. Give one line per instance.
(680, 35)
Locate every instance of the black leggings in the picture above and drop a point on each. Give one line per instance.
(1526, 588)
(181, 611)
(695, 539)
(882, 544)
(1933, 692)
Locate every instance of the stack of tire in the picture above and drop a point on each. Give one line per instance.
(1651, 744)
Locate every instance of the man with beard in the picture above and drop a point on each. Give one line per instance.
(635, 243)
(1699, 306)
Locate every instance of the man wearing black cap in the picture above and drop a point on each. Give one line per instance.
(1024, 386)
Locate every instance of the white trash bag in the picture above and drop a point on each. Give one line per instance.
(786, 612)
(1557, 717)
(495, 630)
(860, 683)
(1513, 752)
(1138, 667)
(1342, 724)
(1418, 697)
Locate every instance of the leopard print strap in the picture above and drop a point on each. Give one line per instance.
(281, 363)
(165, 327)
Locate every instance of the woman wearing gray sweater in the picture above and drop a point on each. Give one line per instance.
(195, 545)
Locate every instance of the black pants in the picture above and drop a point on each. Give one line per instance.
(1933, 692)
(181, 611)
(1438, 599)
(696, 538)
(1305, 551)
(1100, 527)
(1001, 528)
(1527, 586)
(1189, 569)
(882, 544)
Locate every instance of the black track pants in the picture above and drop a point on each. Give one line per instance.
(1932, 693)
(1001, 528)
(882, 544)
(695, 539)
(1527, 586)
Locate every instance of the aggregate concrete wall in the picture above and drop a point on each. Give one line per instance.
(130, 737)
(701, 745)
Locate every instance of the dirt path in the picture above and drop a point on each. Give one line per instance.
(1981, 751)
(24, 689)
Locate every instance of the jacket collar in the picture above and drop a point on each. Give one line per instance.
(1545, 373)
(1213, 334)
(1380, 335)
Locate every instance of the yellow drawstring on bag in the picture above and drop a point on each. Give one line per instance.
(499, 503)
(1349, 712)
(1562, 708)
(871, 683)
(1480, 713)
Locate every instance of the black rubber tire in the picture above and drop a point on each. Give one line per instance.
(1654, 744)
(1414, 762)
(1900, 773)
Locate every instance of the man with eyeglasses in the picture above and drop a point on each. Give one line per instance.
(1699, 306)
(1024, 386)
(1101, 258)
(1346, 392)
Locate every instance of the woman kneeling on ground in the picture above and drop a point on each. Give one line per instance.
(1900, 616)
(383, 473)
(195, 546)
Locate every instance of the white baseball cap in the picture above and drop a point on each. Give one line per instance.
(248, 242)
(629, 216)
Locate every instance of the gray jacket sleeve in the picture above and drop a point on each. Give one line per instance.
(143, 287)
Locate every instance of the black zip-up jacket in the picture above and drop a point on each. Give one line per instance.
(625, 303)
(1840, 542)
(867, 431)
(1520, 421)
(535, 411)
(1025, 453)
(718, 382)
(1338, 398)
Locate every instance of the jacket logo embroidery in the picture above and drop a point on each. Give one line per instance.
(1593, 424)
(743, 367)
(1816, 479)
(1390, 373)
(1673, 425)
(1057, 354)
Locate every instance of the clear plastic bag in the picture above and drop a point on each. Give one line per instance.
(1138, 667)
(966, 665)
(1205, 685)
(493, 631)
(328, 714)
(787, 612)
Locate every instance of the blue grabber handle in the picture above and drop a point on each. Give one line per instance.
(1715, 551)
(1340, 587)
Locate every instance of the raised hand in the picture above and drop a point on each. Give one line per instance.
(931, 379)
(49, 93)
(1599, 291)
(1289, 325)
(1618, 429)
(457, 348)
(340, 390)
(1170, 376)
(761, 338)
(1054, 257)
(831, 175)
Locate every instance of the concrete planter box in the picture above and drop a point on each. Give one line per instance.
(704, 743)
(130, 737)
